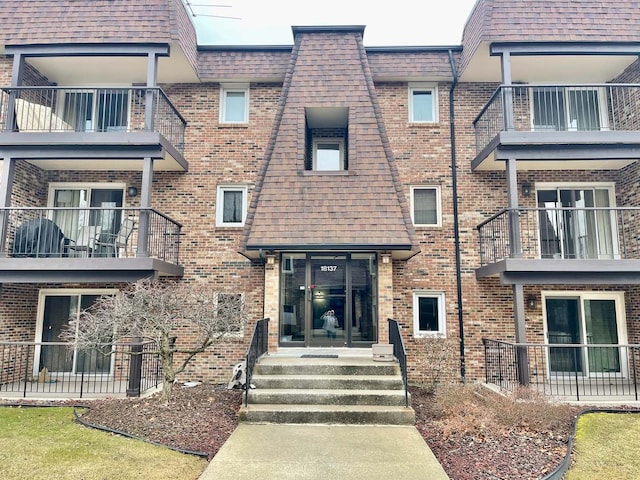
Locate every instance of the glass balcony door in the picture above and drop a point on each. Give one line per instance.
(572, 226)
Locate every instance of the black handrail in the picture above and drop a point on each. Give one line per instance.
(258, 346)
(400, 352)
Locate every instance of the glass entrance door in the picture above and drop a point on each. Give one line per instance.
(328, 300)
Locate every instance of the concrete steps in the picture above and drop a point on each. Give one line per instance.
(343, 390)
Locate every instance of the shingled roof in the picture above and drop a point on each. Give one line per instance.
(361, 208)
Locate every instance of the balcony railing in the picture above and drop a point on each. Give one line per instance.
(92, 232)
(561, 233)
(565, 371)
(56, 369)
(82, 109)
(564, 108)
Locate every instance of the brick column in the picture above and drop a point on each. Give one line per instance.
(272, 301)
(385, 298)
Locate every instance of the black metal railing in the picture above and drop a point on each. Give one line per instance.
(400, 352)
(561, 233)
(544, 108)
(258, 346)
(57, 369)
(565, 371)
(91, 109)
(92, 232)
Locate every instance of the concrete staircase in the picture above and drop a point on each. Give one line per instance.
(343, 390)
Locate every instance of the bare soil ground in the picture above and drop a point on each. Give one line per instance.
(475, 433)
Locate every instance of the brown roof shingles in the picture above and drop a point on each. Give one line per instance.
(361, 207)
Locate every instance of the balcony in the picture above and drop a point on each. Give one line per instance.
(87, 245)
(79, 124)
(587, 126)
(561, 245)
(565, 371)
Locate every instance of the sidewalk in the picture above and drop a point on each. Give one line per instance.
(324, 452)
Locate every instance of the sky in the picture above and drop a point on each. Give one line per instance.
(390, 22)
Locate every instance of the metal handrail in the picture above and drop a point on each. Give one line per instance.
(400, 352)
(258, 346)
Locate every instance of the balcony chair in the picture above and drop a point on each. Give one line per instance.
(85, 242)
(113, 244)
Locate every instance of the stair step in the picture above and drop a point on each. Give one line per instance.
(327, 397)
(324, 366)
(328, 414)
(328, 382)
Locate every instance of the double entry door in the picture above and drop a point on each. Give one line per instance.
(328, 300)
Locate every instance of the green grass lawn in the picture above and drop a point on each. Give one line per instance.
(45, 443)
(607, 446)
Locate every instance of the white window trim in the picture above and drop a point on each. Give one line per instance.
(621, 318)
(602, 105)
(442, 314)
(230, 88)
(424, 87)
(339, 141)
(438, 205)
(60, 292)
(220, 204)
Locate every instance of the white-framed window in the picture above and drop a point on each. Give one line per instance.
(234, 103)
(569, 109)
(423, 103)
(425, 206)
(229, 308)
(328, 154)
(56, 308)
(231, 205)
(429, 314)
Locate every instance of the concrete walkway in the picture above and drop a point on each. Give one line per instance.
(324, 452)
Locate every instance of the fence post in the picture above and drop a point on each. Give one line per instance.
(135, 368)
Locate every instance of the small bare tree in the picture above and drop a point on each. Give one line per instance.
(153, 311)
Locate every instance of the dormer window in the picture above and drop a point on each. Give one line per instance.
(326, 139)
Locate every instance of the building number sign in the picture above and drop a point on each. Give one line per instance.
(328, 268)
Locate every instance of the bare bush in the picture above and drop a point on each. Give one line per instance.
(153, 311)
(437, 357)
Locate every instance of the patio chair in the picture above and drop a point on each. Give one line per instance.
(85, 242)
(112, 244)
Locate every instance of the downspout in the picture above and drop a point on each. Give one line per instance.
(456, 225)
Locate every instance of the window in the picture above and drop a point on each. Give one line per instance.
(568, 109)
(429, 317)
(425, 206)
(328, 154)
(234, 104)
(229, 309)
(423, 103)
(231, 206)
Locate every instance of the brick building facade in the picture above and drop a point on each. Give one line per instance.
(486, 190)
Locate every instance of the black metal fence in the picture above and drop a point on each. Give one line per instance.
(34, 232)
(400, 352)
(545, 108)
(565, 371)
(56, 369)
(258, 346)
(91, 109)
(561, 233)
